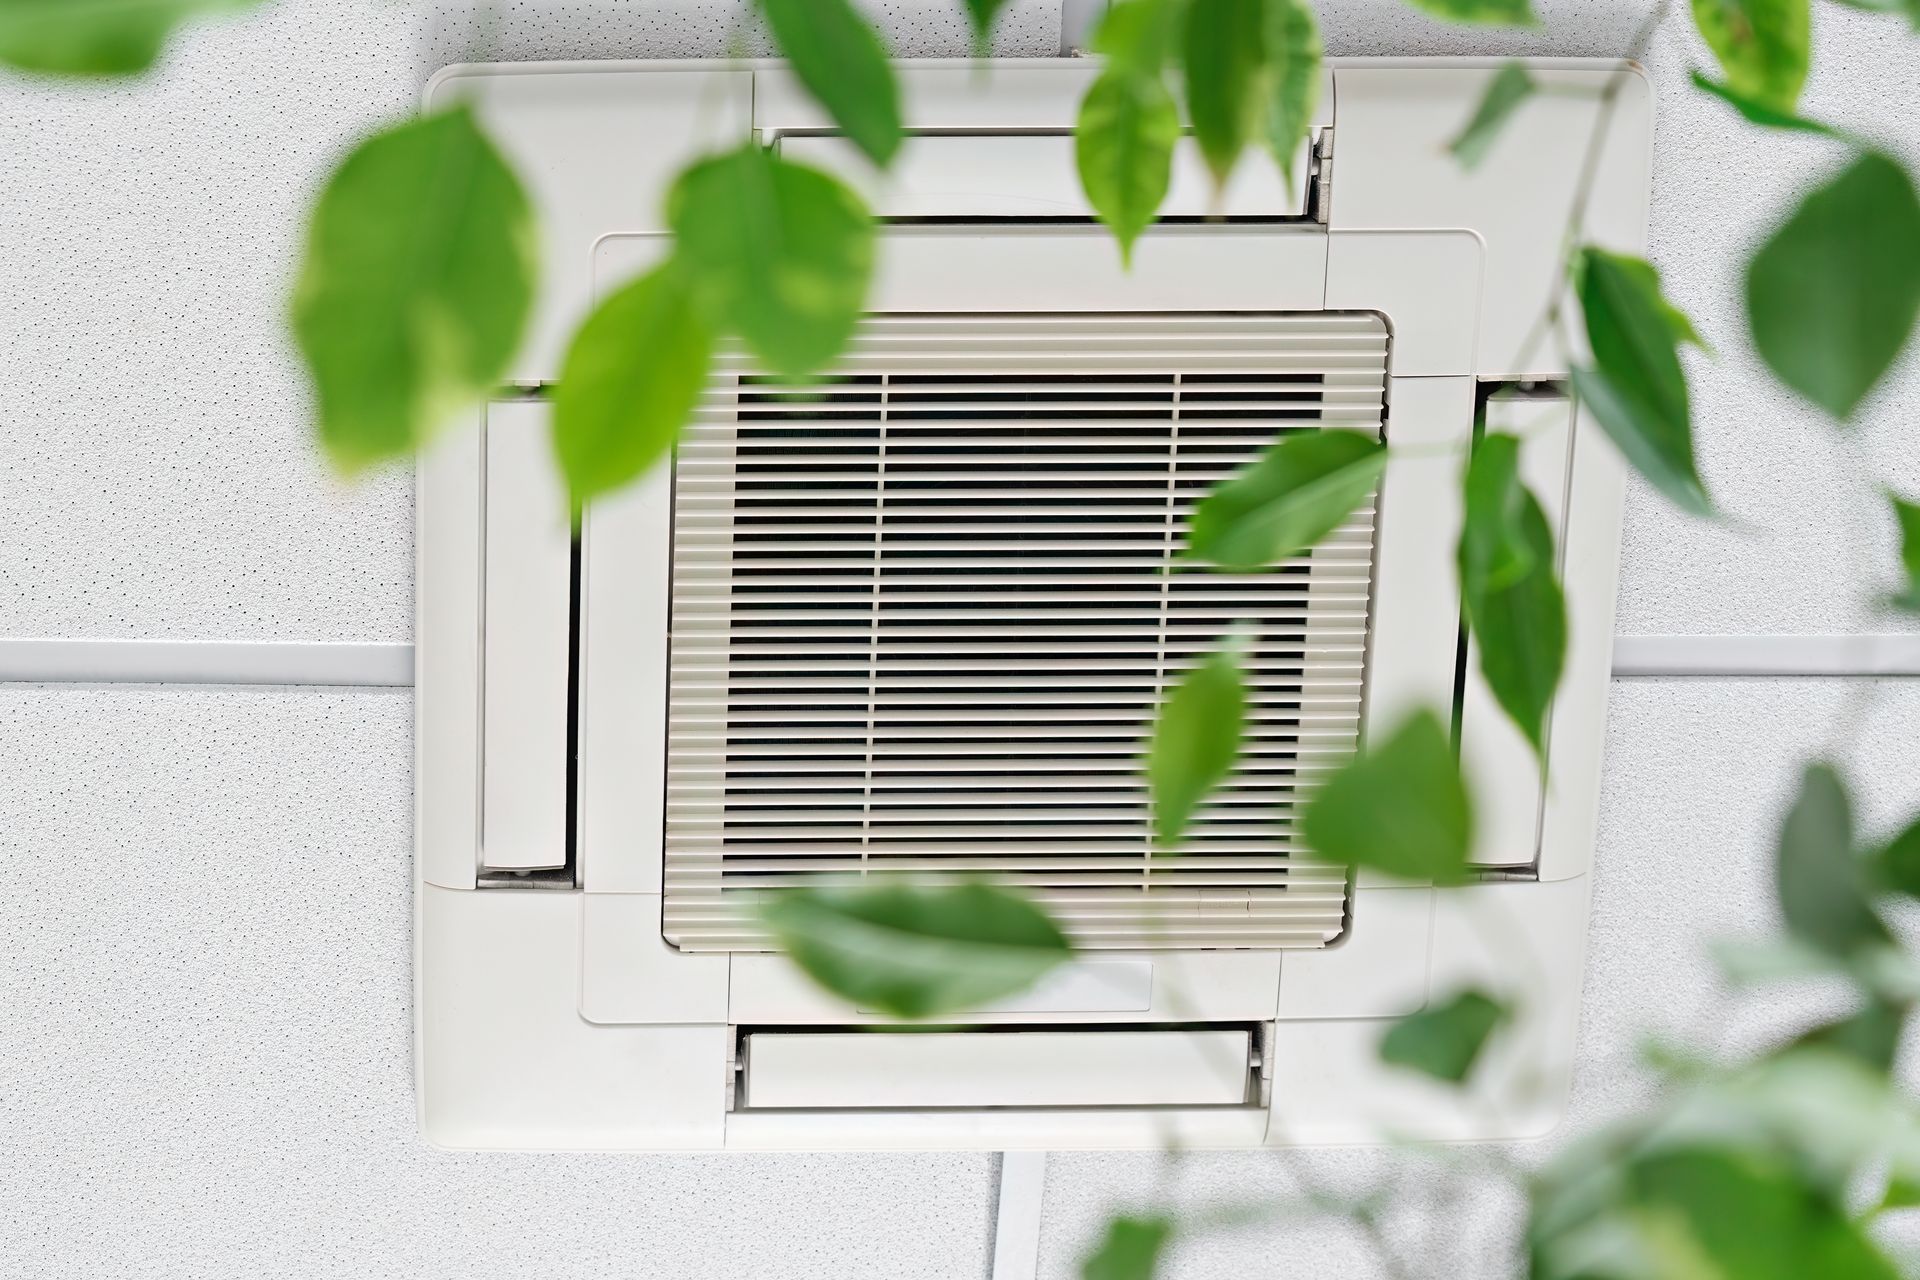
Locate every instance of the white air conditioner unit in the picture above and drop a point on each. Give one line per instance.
(920, 622)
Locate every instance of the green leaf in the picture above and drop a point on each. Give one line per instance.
(1293, 54)
(1515, 607)
(1399, 808)
(916, 950)
(844, 66)
(1872, 1034)
(1287, 500)
(1498, 13)
(631, 381)
(1636, 389)
(779, 253)
(1225, 56)
(1832, 295)
(1896, 865)
(1817, 875)
(982, 13)
(1510, 86)
(1196, 740)
(1901, 1193)
(1909, 8)
(1758, 112)
(96, 37)
(1138, 36)
(1444, 1040)
(1907, 514)
(1131, 1247)
(1124, 149)
(1764, 46)
(416, 285)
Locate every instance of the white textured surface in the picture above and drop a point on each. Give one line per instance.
(1697, 774)
(205, 965)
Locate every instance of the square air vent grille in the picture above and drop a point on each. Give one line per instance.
(921, 616)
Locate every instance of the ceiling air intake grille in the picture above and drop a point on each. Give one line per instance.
(921, 617)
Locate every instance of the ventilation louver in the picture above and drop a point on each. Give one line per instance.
(921, 615)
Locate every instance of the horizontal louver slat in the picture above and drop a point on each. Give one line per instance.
(922, 612)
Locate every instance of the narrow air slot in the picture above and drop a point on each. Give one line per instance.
(1204, 1065)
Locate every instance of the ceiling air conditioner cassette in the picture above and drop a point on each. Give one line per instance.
(919, 621)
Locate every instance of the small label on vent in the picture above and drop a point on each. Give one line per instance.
(922, 615)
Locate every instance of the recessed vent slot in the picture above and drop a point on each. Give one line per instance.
(922, 614)
(1004, 1067)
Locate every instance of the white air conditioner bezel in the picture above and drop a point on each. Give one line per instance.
(558, 1018)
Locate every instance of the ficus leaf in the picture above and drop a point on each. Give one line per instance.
(1196, 740)
(1870, 1034)
(982, 13)
(1907, 515)
(1138, 36)
(916, 950)
(96, 37)
(1516, 610)
(416, 285)
(1445, 1040)
(1130, 1249)
(1400, 807)
(631, 380)
(1287, 500)
(1123, 147)
(1224, 52)
(1764, 46)
(1293, 76)
(1506, 91)
(1896, 864)
(777, 252)
(1757, 112)
(1636, 389)
(1832, 295)
(1496, 13)
(844, 66)
(1820, 880)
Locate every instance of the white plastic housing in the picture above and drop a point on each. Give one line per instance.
(553, 1014)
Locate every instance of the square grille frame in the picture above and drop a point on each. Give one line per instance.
(922, 613)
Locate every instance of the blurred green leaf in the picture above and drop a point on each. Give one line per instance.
(1131, 1247)
(1287, 500)
(1870, 1034)
(1758, 112)
(779, 253)
(1196, 739)
(1910, 9)
(1509, 87)
(1515, 608)
(1764, 46)
(1400, 807)
(916, 950)
(1636, 389)
(1496, 13)
(1832, 294)
(1138, 36)
(1896, 865)
(1123, 146)
(1445, 1040)
(96, 37)
(1818, 876)
(1907, 514)
(416, 285)
(982, 13)
(844, 66)
(1901, 1193)
(632, 377)
(1293, 56)
(1225, 56)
